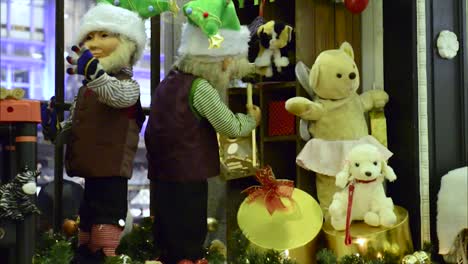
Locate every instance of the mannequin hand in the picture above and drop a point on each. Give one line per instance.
(84, 63)
(255, 112)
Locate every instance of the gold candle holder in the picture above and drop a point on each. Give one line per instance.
(395, 240)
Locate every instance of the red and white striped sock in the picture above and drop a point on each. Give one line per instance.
(83, 237)
(106, 237)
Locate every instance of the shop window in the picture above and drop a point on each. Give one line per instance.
(38, 22)
(20, 19)
(3, 74)
(21, 50)
(20, 76)
(3, 18)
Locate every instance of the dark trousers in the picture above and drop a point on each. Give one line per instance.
(180, 212)
(104, 202)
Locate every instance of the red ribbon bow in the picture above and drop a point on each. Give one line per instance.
(271, 190)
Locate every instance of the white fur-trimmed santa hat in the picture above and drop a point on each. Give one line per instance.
(114, 19)
(194, 42)
(213, 29)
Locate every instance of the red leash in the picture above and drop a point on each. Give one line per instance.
(348, 238)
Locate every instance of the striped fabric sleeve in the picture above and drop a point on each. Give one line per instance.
(209, 105)
(115, 93)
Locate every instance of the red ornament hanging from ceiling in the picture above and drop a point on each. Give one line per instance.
(356, 6)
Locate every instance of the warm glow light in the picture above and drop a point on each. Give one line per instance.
(286, 253)
(379, 255)
(361, 241)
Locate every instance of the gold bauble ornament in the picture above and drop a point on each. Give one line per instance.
(70, 227)
(212, 224)
(423, 257)
(418, 257)
(409, 259)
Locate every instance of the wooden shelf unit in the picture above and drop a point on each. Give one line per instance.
(276, 151)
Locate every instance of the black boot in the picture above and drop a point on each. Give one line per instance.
(83, 255)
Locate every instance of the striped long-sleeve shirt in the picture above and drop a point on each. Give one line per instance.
(208, 104)
(115, 93)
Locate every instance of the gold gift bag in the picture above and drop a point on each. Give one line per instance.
(277, 216)
(238, 156)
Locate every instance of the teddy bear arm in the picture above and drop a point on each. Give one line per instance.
(367, 101)
(374, 99)
(304, 108)
(315, 112)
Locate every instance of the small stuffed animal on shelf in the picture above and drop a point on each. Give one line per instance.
(273, 36)
(361, 180)
(17, 196)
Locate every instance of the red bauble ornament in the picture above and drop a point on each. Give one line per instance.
(356, 6)
(205, 14)
(185, 261)
(201, 261)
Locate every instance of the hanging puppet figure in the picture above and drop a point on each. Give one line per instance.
(187, 110)
(107, 119)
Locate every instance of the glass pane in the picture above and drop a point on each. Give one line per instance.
(20, 19)
(74, 11)
(38, 14)
(3, 13)
(21, 49)
(21, 76)
(38, 2)
(3, 74)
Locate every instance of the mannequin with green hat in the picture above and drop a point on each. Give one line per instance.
(188, 108)
(107, 118)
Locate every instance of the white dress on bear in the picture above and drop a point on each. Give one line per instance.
(328, 156)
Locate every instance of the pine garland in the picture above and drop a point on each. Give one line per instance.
(121, 260)
(326, 256)
(139, 244)
(53, 249)
(239, 246)
(137, 247)
(215, 257)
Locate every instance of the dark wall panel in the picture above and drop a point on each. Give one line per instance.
(447, 98)
(400, 79)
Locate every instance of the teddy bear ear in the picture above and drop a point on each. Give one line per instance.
(302, 75)
(348, 49)
(314, 76)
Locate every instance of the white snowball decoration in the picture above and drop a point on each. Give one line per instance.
(447, 44)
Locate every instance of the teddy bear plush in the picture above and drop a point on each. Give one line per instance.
(335, 116)
(363, 175)
(273, 36)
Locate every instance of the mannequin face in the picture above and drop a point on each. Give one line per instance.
(101, 43)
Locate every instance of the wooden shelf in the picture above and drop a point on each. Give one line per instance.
(275, 85)
(240, 91)
(263, 86)
(280, 138)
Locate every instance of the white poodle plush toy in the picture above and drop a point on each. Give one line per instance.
(361, 180)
